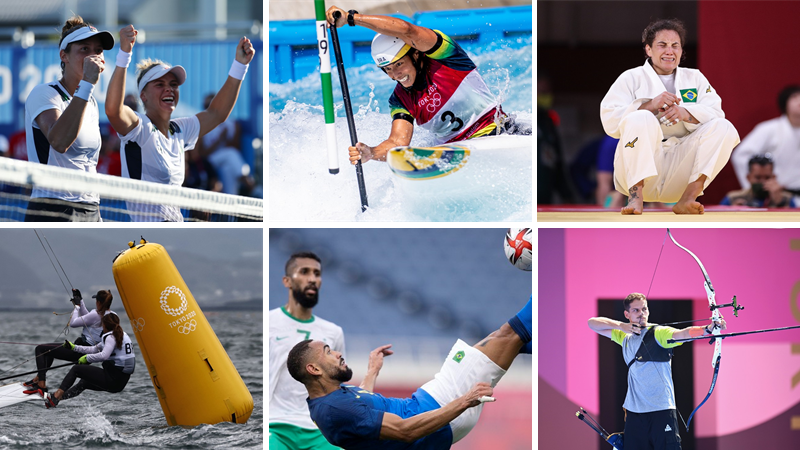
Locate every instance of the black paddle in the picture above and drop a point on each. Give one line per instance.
(348, 108)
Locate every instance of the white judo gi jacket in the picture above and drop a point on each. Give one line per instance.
(779, 138)
(667, 158)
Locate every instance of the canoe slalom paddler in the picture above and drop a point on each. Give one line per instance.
(438, 85)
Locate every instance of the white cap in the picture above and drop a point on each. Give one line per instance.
(106, 38)
(387, 49)
(158, 71)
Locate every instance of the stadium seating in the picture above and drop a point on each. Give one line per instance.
(407, 282)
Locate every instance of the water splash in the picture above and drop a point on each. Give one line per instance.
(300, 187)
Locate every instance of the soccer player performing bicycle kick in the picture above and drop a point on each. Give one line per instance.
(438, 85)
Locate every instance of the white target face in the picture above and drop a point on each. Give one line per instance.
(171, 293)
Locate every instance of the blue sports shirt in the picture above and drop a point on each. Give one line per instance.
(351, 418)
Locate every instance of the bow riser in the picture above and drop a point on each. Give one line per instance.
(715, 316)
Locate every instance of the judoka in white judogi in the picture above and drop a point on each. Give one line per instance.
(668, 156)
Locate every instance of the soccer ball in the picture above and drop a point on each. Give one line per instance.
(518, 247)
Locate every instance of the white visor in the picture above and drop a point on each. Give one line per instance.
(106, 38)
(158, 71)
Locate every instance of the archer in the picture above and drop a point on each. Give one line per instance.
(651, 413)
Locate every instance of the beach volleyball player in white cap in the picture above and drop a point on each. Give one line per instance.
(153, 143)
(62, 124)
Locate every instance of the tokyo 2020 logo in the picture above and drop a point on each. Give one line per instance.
(165, 295)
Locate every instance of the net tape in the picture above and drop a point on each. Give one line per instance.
(24, 173)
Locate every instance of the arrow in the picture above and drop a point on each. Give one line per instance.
(724, 335)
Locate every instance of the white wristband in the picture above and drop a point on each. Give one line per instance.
(84, 90)
(238, 70)
(123, 59)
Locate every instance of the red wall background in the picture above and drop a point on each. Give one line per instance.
(749, 51)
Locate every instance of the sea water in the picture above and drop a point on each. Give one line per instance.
(132, 418)
(300, 186)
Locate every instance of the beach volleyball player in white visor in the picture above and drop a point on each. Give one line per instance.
(153, 143)
(62, 124)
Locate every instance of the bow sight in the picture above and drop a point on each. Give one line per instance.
(733, 304)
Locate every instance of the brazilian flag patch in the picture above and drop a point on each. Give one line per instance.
(458, 356)
(689, 95)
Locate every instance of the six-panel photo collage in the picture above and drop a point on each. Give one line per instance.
(360, 182)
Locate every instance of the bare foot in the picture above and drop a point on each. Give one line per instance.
(631, 209)
(688, 203)
(635, 201)
(688, 207)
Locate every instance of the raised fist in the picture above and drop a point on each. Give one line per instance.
(93, 66)
(245, 51)
(127, 37)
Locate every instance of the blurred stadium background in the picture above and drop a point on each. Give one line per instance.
(200, 35)
(742, 47)
(420, 290)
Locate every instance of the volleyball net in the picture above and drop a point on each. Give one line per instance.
(121, 199)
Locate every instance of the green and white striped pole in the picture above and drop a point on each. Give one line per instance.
(327, 88)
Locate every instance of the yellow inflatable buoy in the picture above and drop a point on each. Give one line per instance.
(194, 378)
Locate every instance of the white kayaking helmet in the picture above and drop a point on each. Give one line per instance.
(388, 49)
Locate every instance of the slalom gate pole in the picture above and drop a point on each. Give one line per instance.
(327, 87)
(35, 371)
(349, 110)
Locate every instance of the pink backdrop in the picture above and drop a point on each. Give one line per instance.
(760, 267)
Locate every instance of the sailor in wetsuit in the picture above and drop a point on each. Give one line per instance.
(92, 329)
(115, 351)
(438, 85)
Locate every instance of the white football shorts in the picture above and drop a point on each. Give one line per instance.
(464, 366)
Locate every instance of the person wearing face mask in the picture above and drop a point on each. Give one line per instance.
(779, 137)
(62, 124)
(290, 425)
(438, 85)
(764, 190)
(153, 143)
(674, 138)
(651, 419)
